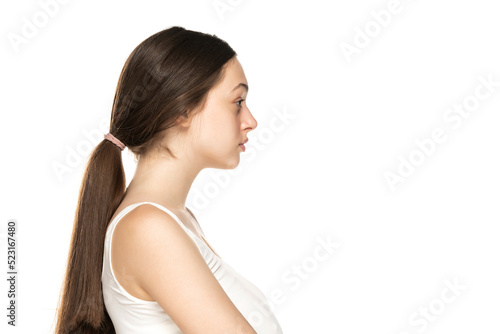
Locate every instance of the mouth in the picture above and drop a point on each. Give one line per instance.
(242, 145)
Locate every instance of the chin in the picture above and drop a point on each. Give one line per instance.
(229, 163)
(223, 160)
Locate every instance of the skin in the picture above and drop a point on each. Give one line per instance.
(153, 258)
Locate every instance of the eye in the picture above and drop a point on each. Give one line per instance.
(238, 103)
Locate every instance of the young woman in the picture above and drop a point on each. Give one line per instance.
(139, 262)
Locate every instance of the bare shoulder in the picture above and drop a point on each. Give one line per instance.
(144, 231)
(146, 221)
(139, 232)
(166, 263)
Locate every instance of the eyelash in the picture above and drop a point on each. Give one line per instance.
(239, 106)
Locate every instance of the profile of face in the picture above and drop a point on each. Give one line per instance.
(225, 121)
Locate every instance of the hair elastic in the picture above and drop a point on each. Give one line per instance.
(115, 141)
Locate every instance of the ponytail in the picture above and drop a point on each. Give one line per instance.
(81, 307)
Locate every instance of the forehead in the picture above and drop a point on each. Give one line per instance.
(233, 76)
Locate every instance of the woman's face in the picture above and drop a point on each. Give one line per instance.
(224, 123)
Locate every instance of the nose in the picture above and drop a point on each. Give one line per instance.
(250, 122)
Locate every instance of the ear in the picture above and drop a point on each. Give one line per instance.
(183, 121)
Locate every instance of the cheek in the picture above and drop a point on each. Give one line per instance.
(219, 135)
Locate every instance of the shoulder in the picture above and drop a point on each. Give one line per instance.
(147, 223)
(165, 262)
(144, 215)
(147, 238)
(147, 233)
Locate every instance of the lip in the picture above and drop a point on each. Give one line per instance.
(242, 145)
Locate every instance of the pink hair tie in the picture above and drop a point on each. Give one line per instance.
(115, 141)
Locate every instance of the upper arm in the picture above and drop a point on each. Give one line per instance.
(167, 263)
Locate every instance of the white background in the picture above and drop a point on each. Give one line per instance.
(322, 175)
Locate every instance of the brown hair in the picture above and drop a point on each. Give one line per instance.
(167, 76)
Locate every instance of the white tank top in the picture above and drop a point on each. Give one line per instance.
(133, 315)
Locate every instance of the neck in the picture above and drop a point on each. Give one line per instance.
(163, 180)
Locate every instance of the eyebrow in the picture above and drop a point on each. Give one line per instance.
(241, 85)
